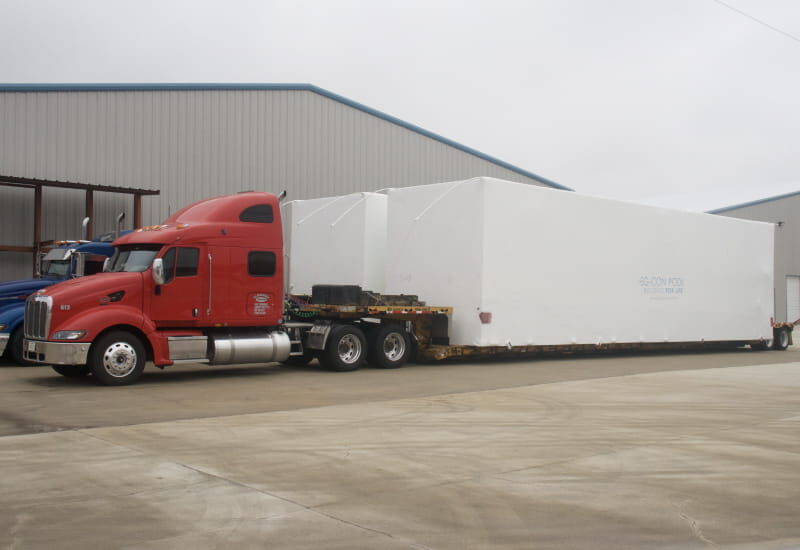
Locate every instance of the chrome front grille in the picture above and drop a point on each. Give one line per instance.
(37, 316)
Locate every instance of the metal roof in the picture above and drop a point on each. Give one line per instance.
(15, 181)
(273, 87)
(753, 203)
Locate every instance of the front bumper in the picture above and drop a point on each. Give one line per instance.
(56, 353)
(3, 341)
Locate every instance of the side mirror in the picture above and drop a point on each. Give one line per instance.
(106, 264)
(79, 264)
(39, 262)
(158, 271)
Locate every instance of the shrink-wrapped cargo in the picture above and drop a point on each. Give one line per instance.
(335, 240)
(524, 266)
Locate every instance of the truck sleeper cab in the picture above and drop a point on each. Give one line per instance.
(205, 286)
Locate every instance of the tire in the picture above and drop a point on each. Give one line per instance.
(345, 349)
(390, 348)
(15, 343)
(781, 341)
(117, 359)
(72, 371)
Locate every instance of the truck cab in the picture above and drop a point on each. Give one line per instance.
(67, 260)
(204, 286)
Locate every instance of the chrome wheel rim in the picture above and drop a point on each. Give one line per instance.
(349, 349)
(394, 346)
(119, 359)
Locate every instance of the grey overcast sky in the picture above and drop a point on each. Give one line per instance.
(680, 103)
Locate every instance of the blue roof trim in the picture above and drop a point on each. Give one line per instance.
(753, 203)
(273, 87)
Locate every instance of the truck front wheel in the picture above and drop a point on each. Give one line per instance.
(117, 359)
(345, 349)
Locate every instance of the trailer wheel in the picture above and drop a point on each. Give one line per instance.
(72, 371)
(345, 349)
(117, 359)
(781, 341)
(15, 348)
(390, 347)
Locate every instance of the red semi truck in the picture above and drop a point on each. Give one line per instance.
(207, 286)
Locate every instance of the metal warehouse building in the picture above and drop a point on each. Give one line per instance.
(194, 141)
(784, 212)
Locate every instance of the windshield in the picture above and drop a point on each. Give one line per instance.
(55, 268)
(59, 254)
(134, 258)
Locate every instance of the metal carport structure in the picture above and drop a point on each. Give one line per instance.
(39, 184)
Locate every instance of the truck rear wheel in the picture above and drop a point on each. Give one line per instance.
(117, 359)
(781, 341)
(390, 347)
(72, 371)
(345, 349)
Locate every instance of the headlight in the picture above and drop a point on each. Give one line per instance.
(69, 334)
(2, 327)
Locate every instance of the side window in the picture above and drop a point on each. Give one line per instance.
(169, 265)
(259, 213)
(261, 264)
(187, 262)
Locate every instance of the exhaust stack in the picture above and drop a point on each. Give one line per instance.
(120, 217)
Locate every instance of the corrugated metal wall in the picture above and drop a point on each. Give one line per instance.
(192, 144)
(787, 241)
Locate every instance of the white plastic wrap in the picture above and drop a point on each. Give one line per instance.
(335, 240)
(549, 267)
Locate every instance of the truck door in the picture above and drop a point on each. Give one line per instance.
(182, 299)
(247, 286)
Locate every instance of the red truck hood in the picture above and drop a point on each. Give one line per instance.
(93, 287)
(74, 298)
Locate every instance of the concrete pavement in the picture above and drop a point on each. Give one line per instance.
(702, 458)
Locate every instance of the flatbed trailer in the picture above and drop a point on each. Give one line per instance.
(426, 330)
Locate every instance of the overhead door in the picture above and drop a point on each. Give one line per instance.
(792, 298)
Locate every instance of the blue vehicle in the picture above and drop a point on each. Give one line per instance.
(67, 260)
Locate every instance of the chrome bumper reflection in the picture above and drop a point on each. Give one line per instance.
(56, 353)
(3, 341)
